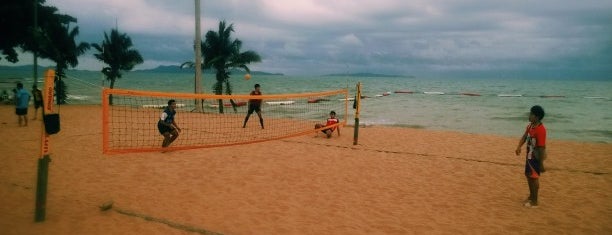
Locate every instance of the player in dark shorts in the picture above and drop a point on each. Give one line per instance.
(254, 106)
(22, 100)
(166, 124)
(38, 102)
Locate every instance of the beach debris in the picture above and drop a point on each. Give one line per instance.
(106, 206)
(167, 222)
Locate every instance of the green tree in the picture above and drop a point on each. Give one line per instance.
(64, 51)
(222, 53)
(54, 40)
(17, 26)
(116, 51)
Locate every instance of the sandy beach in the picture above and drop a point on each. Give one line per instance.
(395, 181)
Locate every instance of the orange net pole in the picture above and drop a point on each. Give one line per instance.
(48, 107)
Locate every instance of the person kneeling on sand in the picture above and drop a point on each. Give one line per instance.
(166, 124)
(330, 121)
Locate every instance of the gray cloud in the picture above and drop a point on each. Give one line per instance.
(420, 37)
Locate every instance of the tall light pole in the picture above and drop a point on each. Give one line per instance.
(198, 57)
(35, 32)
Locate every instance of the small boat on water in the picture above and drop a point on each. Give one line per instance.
(285, 102)
(433, 93)
(316, 100)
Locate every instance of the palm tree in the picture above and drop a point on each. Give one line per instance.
(222, 54)
(116, 52)
(51, 39)
(58, 44)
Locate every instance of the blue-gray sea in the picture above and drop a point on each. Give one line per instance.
(580, 109)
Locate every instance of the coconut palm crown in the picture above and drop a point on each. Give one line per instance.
(222, 53)
(117, 53)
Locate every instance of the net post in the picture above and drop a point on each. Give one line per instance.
(43, 162)
(105, 119)
(198, 58)
(41, 188)
(357, 107)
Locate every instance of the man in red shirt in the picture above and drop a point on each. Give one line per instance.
(535, 137)
(330, 121)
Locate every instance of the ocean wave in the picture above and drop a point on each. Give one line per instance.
(78, 97)
(601, 136)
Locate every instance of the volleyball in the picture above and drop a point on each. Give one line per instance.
(247, 76)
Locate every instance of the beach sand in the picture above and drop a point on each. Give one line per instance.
(395, 181)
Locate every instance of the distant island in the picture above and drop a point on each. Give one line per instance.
(27, 69)
(178, 69)
(368, 75)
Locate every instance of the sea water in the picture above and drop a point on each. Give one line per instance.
(575, 109)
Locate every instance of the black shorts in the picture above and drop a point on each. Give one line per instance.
(20, 112)
(254, 107)
(163, 128)
(38, 104)
(532, 168)
(328, 129)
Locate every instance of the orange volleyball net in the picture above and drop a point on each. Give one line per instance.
(130, 118)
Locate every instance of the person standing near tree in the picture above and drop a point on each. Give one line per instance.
(22, 100)
(37, 94)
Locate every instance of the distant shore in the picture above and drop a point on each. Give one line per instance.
(368, 75)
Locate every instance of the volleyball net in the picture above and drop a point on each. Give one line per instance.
(130, 118)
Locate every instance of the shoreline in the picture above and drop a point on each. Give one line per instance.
(365, 124)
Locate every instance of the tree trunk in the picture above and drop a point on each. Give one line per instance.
(110, 97)
(234, 105)
(60, 86)
(220, 102)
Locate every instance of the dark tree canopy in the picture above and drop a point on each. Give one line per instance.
(17, 27)
(53, 37)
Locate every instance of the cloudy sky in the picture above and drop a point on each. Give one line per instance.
(499, 38)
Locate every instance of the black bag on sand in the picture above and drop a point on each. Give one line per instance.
(52, 123)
